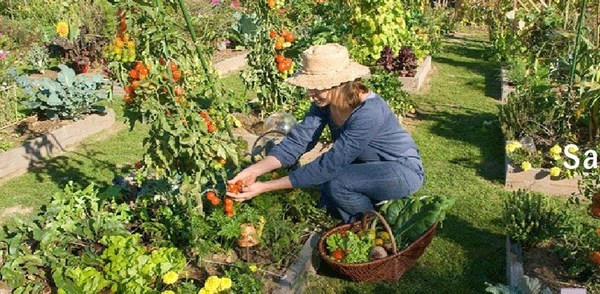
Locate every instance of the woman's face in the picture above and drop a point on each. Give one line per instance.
(321, 98)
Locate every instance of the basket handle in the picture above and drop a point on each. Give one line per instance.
(385, 224)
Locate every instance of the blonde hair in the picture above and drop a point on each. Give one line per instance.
(350, 92)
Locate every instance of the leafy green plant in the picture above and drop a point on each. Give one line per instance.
(37, 58)
(575, 247)
(65, 234)
(526, 285)
(531, 218)
(68, 97)
(374, 25)
(262, 73)
(389, 88)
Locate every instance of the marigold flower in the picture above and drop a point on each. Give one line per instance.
(62, 29)
(512, 146)
(212, 284)
(573, 149)
(555, 171)
(525, 166)
(225, 284)
(204, 291)
(555, 150)
(170, 277)
(253, 268)
(167, 292)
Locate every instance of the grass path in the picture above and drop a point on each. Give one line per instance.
(460, 140)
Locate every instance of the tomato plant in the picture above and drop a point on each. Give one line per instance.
(172, 88)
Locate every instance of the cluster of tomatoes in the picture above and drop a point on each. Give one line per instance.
(283, 40)
(285, 65)
(209, 124)
(275, 4)
(212, 197)
(175, 71)
(122, 47)
(136, 75)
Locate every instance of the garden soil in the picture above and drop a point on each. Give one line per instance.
(541, 263)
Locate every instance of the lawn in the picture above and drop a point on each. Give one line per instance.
(461, 143)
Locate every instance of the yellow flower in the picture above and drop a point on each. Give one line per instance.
(62, 29)
(555, 171)
(525, 165)
(212, 283)
(573, 149)
(512, 146)
(167, 292)
(170, 277)
(225, 284)
(204, 291)
(555, 150)
(253, 268)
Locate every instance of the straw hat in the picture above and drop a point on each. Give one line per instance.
(327, 66)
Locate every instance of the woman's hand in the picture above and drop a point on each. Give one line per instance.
(247, 176)
(248, 192)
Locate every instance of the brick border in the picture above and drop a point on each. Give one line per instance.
(17, 161)
(413, 84)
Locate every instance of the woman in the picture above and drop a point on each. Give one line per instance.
(373, 158)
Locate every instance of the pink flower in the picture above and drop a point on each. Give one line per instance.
(235, 4)
(3, 54)
(214, 2)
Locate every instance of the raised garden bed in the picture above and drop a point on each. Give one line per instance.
(541, 263)
(538, 180)
(18, 160)
(413, 84)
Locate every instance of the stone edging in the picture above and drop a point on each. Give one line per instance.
(506, 89)
(413, 84)
(514, 263)
(294, 279)
(17, 161)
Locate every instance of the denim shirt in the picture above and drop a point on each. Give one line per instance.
(371, 133)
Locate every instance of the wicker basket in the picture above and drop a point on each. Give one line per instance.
(390, 268)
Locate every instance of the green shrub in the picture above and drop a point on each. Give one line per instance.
(531, 218)
(68, 97)
(388, 86)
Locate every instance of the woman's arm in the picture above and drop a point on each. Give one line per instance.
(248, 175)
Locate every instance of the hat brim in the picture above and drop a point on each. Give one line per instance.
(329, 80)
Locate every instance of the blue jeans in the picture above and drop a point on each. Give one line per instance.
(360, 186)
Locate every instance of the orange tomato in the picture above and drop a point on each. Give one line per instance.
(273, 34)
(135, 84)
(281, 67)
(211, 195)
(215, 201)
(338, 254)
(134, 74)
(228, 201)
(279, 43)
(212, 128)
(129, 89)
(204, 114)
(279, 58)
(595, 257)
(127, 99)
(176, 75)
(271, 3)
